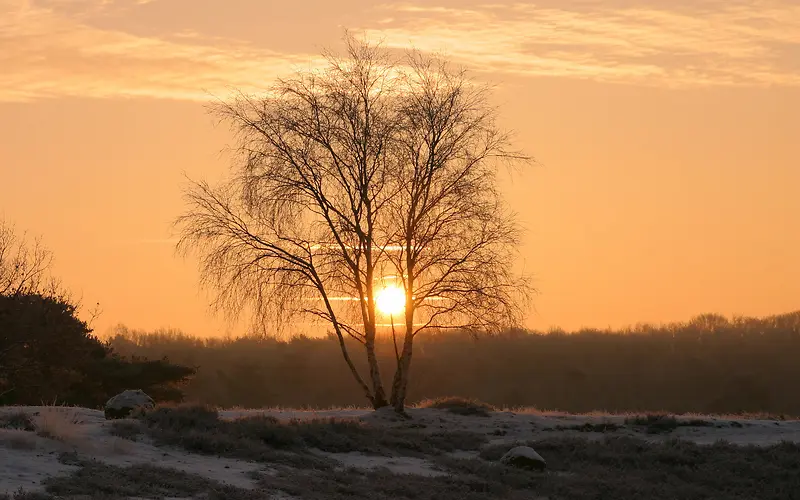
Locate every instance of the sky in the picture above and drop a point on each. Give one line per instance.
(666, 134)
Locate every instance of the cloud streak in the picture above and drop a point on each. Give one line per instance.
(45, 53)
(49, 48)
(750, 43)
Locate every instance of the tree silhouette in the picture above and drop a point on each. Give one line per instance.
(371, 171)
(24, 266)
(48, 352)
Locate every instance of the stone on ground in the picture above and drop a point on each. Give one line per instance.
(124, 403)
(524, 457)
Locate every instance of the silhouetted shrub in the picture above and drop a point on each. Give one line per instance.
(590, 427)
(459, 406)
(198, 417)
(126, 429)
(48, 354)
(17, 420)
(655, 423)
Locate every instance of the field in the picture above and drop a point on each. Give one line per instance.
(446, 449)
(702, 410)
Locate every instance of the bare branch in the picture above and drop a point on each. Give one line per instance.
(344, 176)
(25, 267)
(457, 238)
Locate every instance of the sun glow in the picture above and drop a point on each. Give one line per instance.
(391, 300)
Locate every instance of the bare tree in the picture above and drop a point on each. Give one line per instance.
(25, 269)
(342, 179)
(456, 239)
(24, 266)
(293, 230)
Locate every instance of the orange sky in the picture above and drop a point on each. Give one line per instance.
(668, 135)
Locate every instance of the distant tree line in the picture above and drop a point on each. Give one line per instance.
(710, 364)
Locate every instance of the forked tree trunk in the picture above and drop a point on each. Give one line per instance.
(370, 332)
(401, 374)
(400, 383)
(378, 393)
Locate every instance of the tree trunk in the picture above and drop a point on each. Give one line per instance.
(370, 332)
(378, 393)
(400, 382)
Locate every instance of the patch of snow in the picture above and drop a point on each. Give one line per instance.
(27, 468)
(397, 465)
(18, 466)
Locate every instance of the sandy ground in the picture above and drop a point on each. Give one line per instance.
(27, 459)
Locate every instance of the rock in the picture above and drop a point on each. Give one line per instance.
(121, 405)
(524, 457)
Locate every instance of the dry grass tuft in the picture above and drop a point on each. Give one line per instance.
(126, 429)
(60, 423)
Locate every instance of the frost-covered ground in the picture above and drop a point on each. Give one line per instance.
(532, 424)
(28, 458)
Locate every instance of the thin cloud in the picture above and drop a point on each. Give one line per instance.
(50, 48)
(45, 53)
(736, 43)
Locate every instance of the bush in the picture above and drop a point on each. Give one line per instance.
(654, 423)
(18, 420)
(126, 429)
(459, 406)
(199, 417)
(48, 353)
(659, 423)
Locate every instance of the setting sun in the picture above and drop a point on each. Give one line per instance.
(391, 300)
